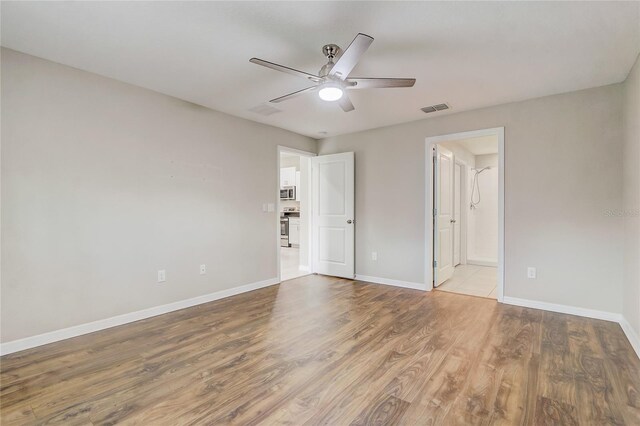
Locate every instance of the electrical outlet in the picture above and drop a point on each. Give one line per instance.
(531, 272)
(162, 276)
(374, 255)
(264, 208)
(271, 207)
(203, 269)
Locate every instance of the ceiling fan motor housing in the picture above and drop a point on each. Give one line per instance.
(330, 51)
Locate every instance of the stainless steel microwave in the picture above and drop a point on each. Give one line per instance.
(288, 193)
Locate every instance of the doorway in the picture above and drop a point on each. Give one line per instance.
(294, 240)
(465, 230)
(316, 207)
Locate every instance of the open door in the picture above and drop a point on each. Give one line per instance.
(443, 215)
(332, 178)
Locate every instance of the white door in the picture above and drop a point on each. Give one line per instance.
(443, 229)
(457, 193)
(332, 178)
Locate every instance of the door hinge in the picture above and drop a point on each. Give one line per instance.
(435, 263)
(435, 212)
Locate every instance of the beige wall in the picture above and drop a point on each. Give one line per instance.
(562, 171)
(104, 183)
(631, 205)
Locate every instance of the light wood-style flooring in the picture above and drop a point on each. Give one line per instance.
(320, 350)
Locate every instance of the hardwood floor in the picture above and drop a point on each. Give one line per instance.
(320, 350)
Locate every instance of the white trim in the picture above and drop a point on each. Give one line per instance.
(78, 330)
(464, 218)
(429, 142)
(282, 148)
(631, 334)
(307, 154)
(396, 283)
(563, 309)
(481, 262)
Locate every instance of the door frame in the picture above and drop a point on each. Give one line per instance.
(308, 154)
(429, 143)
(464, 173)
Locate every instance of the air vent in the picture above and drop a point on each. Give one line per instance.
(434, 108)
(265, 110)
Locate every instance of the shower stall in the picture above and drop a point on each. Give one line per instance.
(482, 226)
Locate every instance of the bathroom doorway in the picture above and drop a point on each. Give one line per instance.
(465, 230)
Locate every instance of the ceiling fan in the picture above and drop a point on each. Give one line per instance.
(333, 78)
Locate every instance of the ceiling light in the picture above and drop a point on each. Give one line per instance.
(330, 93)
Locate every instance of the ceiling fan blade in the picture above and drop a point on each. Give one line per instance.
(379, 83)
(293, 95)
(287, 70)
(350, 57)
(345, 103)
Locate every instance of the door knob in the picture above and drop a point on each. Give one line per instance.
(349, 221)
(452, 221)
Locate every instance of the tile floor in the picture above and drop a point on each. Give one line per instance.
(290, 263)
(473, 280)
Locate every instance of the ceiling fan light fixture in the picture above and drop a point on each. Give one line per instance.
(330, 92)
(333, 78)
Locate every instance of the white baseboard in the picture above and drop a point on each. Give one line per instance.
(563, 309)
(78, 330)
(482, 262)
(396, 283)
(631, 334)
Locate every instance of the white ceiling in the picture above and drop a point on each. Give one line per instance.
(467, 54)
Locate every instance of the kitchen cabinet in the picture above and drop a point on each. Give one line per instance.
(287, 176)
(294, 231)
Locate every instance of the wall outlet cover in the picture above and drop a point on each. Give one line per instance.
(162, 276)
(531, 272)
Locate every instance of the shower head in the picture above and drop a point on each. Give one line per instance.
(482, 169)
